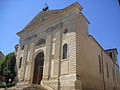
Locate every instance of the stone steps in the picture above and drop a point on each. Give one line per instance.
(26, 87)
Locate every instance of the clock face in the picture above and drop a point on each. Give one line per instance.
(42, 19)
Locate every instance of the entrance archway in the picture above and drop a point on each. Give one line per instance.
(38, 68)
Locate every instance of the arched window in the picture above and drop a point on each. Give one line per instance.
(110, 54)
(65, 47)
(20, 62)
(41, 42)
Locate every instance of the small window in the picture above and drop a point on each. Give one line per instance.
(65, 31)
(110, 54)
(100, 64)
(16, 47)
(22, 47)
(113, 72)
(107, 69)
(42, 19)
(41, 42)
(20, 62)
(65, 51)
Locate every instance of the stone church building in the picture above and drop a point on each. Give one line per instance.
(56, 52)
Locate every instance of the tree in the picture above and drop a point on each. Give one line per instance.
(2, 65)
(9, 68)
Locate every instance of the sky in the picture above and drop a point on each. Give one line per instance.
(104, 17)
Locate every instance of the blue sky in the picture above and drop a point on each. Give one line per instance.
(104, 17)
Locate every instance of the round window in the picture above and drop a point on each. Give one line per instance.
(42, 19)
(65, 31)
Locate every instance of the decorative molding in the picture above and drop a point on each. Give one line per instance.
(50, 29)
(58, 25)
(31, 37)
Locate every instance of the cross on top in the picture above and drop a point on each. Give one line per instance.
(45, 7)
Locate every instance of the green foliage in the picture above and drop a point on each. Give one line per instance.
(4, 85)
(2, 65)
(7, 69)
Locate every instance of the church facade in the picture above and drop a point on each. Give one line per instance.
(56, 52)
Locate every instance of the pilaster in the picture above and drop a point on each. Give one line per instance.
(47, 61)
(31, 61)
(24, 61)
(57, 57)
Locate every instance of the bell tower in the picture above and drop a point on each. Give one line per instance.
(113, 54)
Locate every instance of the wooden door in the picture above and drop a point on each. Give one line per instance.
(38, 68)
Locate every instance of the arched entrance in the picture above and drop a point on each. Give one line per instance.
(38, 68)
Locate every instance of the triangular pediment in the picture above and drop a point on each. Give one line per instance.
(45, 15)
(42, 16)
